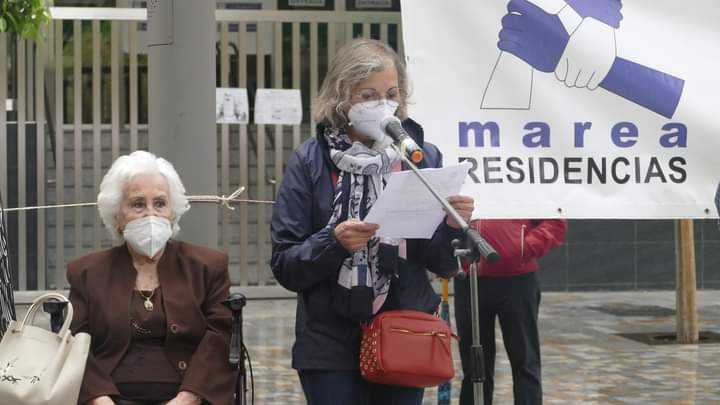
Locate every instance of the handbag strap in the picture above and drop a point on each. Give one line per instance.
(30, 315)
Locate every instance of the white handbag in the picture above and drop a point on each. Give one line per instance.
(41, 367)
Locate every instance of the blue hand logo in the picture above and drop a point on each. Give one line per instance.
(575, 39)
(533, 35)
(605, 11)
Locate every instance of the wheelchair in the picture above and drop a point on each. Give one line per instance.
(237, 358)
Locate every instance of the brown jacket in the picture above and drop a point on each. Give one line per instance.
(195, 282)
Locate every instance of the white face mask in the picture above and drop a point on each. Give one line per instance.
(147, 235)
(366, 117)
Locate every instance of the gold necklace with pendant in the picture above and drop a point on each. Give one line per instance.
(148, 304)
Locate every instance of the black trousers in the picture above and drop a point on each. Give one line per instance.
(515, 301)
(334, 387)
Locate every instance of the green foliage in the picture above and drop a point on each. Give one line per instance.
(24, 17)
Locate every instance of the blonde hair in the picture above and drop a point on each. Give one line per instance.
(122, 171)
(354, 63)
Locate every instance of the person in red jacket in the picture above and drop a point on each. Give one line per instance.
(509, 290)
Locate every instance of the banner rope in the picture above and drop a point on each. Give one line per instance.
(217, 199)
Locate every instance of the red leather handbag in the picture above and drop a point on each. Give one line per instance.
(406, 348)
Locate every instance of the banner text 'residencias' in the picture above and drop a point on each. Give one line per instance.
(576, 170)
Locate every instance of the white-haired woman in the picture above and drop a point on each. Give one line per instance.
(324, 251)
(153, 305)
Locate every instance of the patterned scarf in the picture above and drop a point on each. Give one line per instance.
(7, 306)
(364, 277)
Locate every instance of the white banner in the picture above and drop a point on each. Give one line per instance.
(574, 109)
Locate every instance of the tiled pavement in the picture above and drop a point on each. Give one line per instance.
(584, 361)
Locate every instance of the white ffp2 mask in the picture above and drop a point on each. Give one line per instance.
(147, 235)
(366, 117)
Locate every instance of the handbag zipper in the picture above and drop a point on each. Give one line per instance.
(430, 333)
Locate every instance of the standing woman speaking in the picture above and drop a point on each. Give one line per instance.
(344, 274)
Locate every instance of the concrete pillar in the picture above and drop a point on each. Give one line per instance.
(181, 87)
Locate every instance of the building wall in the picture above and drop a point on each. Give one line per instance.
(628, 255)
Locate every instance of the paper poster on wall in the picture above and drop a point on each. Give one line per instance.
(373, 3)
(231, 106)
(278, 106)
(574, 109)
(306, 3)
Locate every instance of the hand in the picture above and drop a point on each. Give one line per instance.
(103, 400)
(464, 205)
(185, 398)
(533, 35)
(589, 55)
(354, 234)
(606, 11)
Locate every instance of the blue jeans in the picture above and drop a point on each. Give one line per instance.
(331, 387)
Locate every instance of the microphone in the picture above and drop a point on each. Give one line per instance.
(394, 129)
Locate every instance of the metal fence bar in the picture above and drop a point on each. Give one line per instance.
(77, 126)
(224, 137)
(97, 145)
(278, 84)
(40, 55)
(349, 32)
(296, 66)
(331, 41)
(400, 43)
(29, 85)
(262, 232)
(3, 120)
(313, 68)
(243, 162)
(115, 87)
(366, 30)
(133, 55)
(21, 162)
(59, 159)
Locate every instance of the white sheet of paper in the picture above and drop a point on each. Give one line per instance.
(278, 106)
(406, 209)
(231, 105)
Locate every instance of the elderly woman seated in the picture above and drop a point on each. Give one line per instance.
(153, 305)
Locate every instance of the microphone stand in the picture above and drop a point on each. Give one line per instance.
(474, 248)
